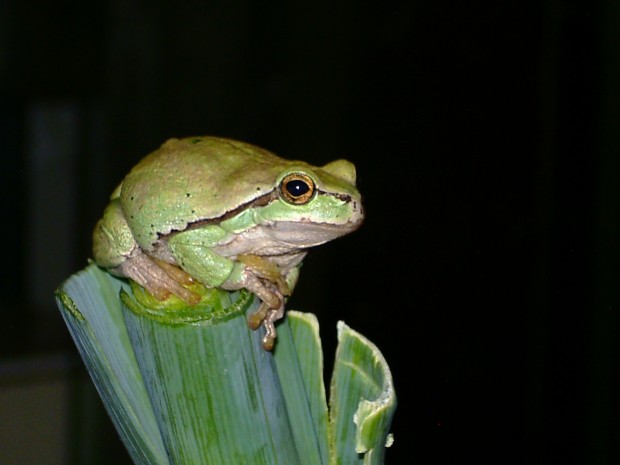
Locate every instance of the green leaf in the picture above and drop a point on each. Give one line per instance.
(362, 401)
(213, 388)
(299, 360)
(92, 311)
(193, 385)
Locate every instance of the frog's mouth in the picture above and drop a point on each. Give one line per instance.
(302, 234)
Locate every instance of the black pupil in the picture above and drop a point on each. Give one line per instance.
(297, 187)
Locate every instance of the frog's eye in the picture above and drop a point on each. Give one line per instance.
(297, 188)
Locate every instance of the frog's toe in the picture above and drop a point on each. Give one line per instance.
(266, 317)
(256, 319)
(155, 279)
(269, 338)
(176, 273)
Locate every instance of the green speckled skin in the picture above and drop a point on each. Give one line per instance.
(166, 192)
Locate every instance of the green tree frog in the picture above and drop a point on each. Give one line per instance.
(227, 214)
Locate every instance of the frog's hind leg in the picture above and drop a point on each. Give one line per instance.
(115, 249)
(159, 281)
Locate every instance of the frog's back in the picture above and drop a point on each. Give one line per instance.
(194, 179)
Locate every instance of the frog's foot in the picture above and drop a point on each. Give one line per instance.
(271, 309)
(255, 320)
(265, 269)
(158, 278)
(266, 317)
(176, 273)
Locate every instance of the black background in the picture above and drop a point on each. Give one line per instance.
(485, 136)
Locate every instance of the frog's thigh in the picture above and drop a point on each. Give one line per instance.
(146, 272)
(113, 241)
(193, 252)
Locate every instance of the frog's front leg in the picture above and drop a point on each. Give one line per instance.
(271, 308)
(266, 279)
(193, 251)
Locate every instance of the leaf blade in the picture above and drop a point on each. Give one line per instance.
(90, 307)
(362, 401)
(213, 389)
(299, 360)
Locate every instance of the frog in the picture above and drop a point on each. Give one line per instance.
(226, 214)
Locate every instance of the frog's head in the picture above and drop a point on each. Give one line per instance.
(313, 205)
